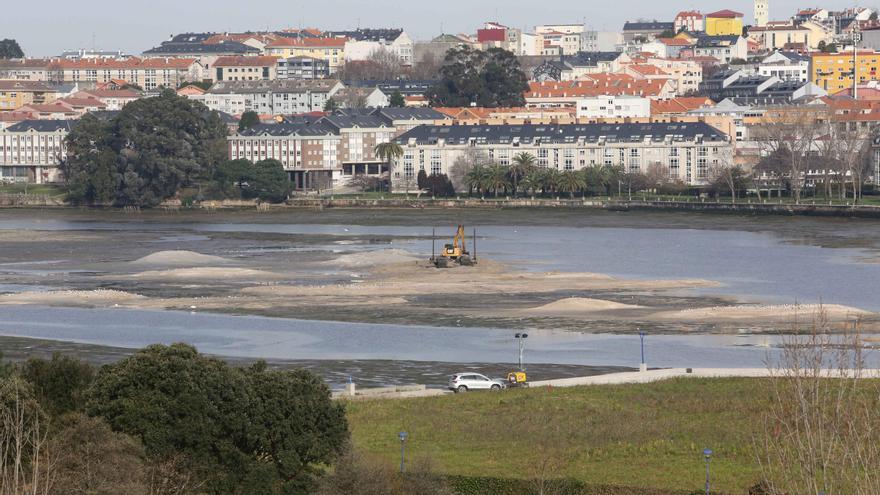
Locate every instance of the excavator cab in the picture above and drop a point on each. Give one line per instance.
(455, 253)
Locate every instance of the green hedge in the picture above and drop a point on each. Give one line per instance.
(471, 485)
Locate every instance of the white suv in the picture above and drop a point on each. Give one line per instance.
(462, 382)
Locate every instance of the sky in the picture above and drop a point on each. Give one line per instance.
(51, 26)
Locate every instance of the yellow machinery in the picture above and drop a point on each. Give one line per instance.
(517, 379)
(456, 252)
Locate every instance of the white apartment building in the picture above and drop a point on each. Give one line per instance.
(280, 97)
(31, 150)
(605, 106)
(687, 150)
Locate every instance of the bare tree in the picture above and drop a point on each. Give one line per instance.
(790, 133)
(822, 432)
(853, 145)
(26, 463)
(463, 164)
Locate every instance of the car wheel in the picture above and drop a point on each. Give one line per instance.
(461, 389)
(496, 388)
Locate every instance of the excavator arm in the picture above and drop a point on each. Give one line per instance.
(458, 241)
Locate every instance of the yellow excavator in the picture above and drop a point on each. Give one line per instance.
(456, 252)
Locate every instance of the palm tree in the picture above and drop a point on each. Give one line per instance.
(388, 151)
(530, 182)
(571, 182)
(497, 178)
(522, 164)
(476, 178)
(549, 180)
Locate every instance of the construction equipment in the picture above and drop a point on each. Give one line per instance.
(456, 252)
(517, 379)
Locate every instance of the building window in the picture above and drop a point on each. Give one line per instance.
(436, 163)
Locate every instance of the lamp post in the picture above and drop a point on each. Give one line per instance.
(643, 366)
(856, 38)
(402, 436)
(707, 454)
(521, 337)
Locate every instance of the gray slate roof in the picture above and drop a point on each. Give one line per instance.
(504, 134)
(42, 125)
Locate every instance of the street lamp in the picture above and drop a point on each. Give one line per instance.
(402, 436)
(707, 453)
(521, 337)
(642, 366)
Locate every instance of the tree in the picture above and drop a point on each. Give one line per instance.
(439, 185)
(729, 176)
(490, 78)
(820, 432)
(571, 182)
(462, 166)
(248, 120)
(331, 105)
(25, 458)
(90, 167)
(10, 49)
(146, 154)
(233, 428)
(60, 384)
(232, 177)
(397, 100)
(295, 424)
(521, 165)
(422, 179)
(790, 134)
(388, 151)
(93, 459)
(496, 178)
(267, 182)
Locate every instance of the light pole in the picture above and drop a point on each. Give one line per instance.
(707, 453)
(521, 337)
(642, 367)
(856, 38)
(402, 436)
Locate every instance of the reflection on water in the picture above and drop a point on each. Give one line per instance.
(270, 338)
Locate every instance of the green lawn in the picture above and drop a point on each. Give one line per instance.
(33, 189)
(635, 435)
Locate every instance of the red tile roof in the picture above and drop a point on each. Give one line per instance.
(132, 63)
(678, 105)
(724, 14)
(675, 41)
(689, 13)
(597, 85)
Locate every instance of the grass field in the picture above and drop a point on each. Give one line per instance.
(648, 435)
(32, 189)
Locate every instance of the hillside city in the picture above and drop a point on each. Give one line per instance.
(679, 104)
(535, 260)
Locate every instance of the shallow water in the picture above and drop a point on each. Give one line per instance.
(780, 260)
(274, 338)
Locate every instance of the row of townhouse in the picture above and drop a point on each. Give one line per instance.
(323, 152)
(31, 150)
(688, 150)
(147, 73)
(269, 97)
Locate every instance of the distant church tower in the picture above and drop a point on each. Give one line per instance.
(762, 12)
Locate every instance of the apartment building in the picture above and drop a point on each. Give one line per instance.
(362, 43)
(325, 152)
(689, 20)
(687, 74)
(722, 48)
(776, 37)
(31, 150)
(279, 97)
(834, 71)
(561, 39)
(303, 68)
(788, 66)
(495, 35)
(331, 50)
(29, 69)
(687, 149)
(15, 94)
(605, 106)
(572, 67)
(245, 69)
